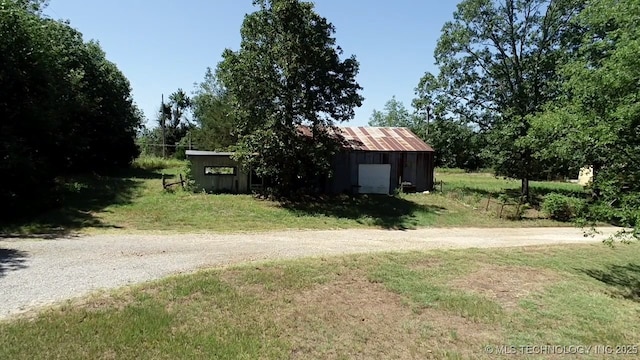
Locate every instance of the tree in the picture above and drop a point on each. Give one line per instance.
(288, 73)
(213, 115)
(498, 63)
(394, 115)
(599, 117)
(102, 119)
(64, 107)
(32, 6)
(456, 145)
(173, 121)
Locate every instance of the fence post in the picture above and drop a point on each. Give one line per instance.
(488, 203)
(441, 183)
(518, 208)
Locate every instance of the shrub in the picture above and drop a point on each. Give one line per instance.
(563, 208)
(190, 184)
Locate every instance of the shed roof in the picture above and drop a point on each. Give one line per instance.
(362, 139)
(207, 153)
(383, 139)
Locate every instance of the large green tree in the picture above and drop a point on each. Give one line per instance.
(288, 73)
(64, 107)
(498, 62)
(597, 121)
(213, 115)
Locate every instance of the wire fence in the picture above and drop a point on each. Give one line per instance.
(499, 204)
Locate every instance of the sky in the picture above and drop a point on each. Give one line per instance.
(163, 45)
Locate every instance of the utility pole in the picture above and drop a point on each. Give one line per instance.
(163, 119)
(428, 119)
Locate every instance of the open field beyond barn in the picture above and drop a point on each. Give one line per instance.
(445, 304)
(136, 201)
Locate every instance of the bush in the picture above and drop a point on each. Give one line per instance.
(563, 208)
(190, 184)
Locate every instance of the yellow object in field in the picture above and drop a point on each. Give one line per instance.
(586, 175)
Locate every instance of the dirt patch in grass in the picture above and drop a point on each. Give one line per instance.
(355, 318)
(97, 302)
(426, 264)
(506, 285)
(456, 335)
(237, 279)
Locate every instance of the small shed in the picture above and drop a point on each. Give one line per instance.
(375, 160)
(217, 172)
(379, 160)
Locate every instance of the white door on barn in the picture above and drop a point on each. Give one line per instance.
(374, 178)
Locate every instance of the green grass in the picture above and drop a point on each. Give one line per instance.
(476, 189)
(135, 201)
(485, 183)
(400, 305)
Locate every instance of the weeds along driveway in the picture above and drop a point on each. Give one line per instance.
(35, 273)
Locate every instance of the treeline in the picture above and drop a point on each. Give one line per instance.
(457, 144)
(538, 89)
(515, 77)
(64, 107)
(203, 121)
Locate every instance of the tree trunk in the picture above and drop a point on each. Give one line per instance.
(525, 188)
(595, 189)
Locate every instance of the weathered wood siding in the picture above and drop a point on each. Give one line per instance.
(414, 167)
(238, 183)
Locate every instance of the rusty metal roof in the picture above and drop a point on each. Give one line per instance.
(383, 139)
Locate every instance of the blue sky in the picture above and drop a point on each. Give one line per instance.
(163, 45)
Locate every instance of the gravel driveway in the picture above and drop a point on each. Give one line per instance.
(37, 272)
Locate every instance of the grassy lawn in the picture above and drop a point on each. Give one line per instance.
(135, 201)
(441, 305)
(485, 183)
(476, 189)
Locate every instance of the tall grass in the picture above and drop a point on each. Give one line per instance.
(152, 163)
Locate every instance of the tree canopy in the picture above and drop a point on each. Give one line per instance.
(498, 63)
(173, 123)
(597, 121)
(395, 114)
(213, 115)
(288, 73)
(457, 145)
(64, 107)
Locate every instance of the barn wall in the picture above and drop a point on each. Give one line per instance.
(238, 183)
(414, 167)
(430, 170)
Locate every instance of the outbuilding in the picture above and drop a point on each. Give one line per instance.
(218, 172)
(376, 160)
(379, 160)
